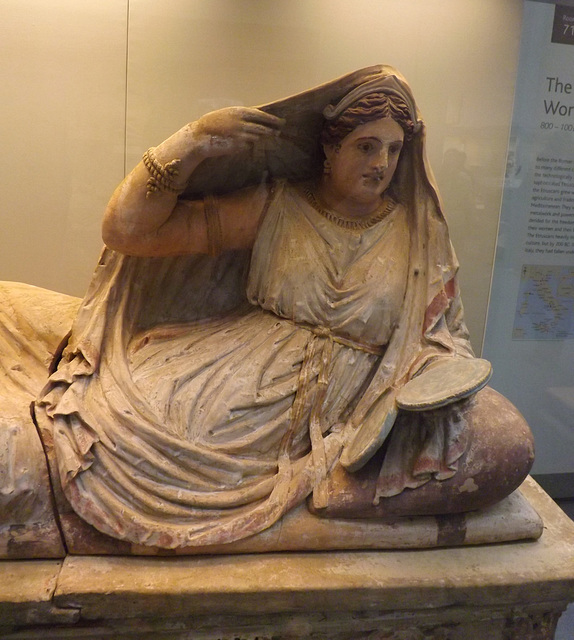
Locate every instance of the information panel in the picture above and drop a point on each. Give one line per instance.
(530, 326)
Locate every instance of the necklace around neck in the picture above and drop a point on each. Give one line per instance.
(387, 205)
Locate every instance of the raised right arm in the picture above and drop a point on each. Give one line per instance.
(156, 222)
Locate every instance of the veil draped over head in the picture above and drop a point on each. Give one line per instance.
(96, 417)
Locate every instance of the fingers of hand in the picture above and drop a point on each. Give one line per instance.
(236, 128)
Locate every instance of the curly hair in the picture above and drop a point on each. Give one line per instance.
(371, 107)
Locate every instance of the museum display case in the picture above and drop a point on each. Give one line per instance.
(90, 89)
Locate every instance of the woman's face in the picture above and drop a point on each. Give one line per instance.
(363, 164)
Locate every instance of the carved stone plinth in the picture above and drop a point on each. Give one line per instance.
(512, 591)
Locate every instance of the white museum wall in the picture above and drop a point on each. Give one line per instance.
(62, 77)
(70, 122)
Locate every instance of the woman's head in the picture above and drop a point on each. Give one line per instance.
(380, 112)
(359, 169)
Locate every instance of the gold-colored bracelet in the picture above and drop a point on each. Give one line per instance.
(213, 224)
(161, 176)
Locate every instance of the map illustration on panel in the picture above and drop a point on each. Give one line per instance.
(545, 307)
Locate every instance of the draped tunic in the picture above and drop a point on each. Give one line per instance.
(176, 427)
(228, 401)
(309, 277)
(208, 431)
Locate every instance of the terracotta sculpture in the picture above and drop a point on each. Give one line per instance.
(268, 324)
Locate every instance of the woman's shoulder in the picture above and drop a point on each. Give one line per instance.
(284, 194)
(397, 210)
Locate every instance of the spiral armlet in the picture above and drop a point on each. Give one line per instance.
(162, 177)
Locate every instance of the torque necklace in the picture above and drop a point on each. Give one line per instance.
(350, 223)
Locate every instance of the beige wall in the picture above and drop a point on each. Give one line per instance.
(69, 120)
(62, 118)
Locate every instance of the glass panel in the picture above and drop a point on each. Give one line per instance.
(187, 57)
(63, 67)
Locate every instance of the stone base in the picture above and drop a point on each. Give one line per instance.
(510, 591)
(511, 519)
